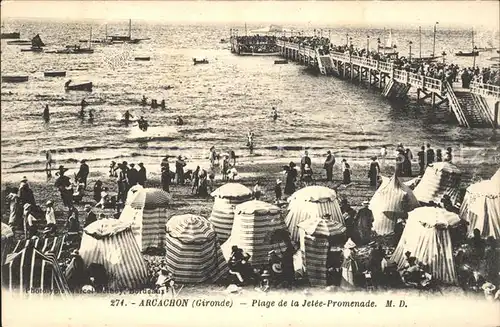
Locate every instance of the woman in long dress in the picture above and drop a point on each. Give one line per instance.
(291, 176)
(346, 172)
(349, 266)
(374, 172)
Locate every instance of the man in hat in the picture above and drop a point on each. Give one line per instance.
(25, 193)
(122, 181)
(264, 281)
(364, 219)
(63, 183)
(142, 176)
(179, 170)
(257, 191)
(91, 216)
(132, 176)
(75, 272)
(305, 160)
(83, 173)
(329, 162)
(349, 266)
(165, 178)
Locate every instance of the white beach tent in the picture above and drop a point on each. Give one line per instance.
(226, 198)
(481, 207)
(111, 243)
(193, 251)
(439, 179)
(311, 202)
(254, 225)
(427, 237)
(391, 201)
(146, 210)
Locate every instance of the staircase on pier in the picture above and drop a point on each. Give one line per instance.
(469, 109)
(321, 64)
(395, 90)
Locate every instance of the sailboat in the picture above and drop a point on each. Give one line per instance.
(425, 58)
(390, 43)
(473, 53)
(106, 40)
(125, 38)
(36, 45)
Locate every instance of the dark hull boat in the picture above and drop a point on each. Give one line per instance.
(142, 58)
(14, 79)
(19, 42)
(32, 50)
(280, 62)
(54, 74)
(467, 54)
(13, 35)
(79, 87)
(200, 61)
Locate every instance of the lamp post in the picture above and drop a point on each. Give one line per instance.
(444, 56)
(409, 58)
(347, 39)
(350, 41)
(367, 45)
(474, 56)
(434, 40)
(378, 45)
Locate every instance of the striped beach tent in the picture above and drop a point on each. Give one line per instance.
(427, 237)
(254, 224)
(7, 240)
(311, 202)
(316, 246)
(111, 243)
(33, 266)
(391, 201)
(439, 179)
(193, 251)
(146, 210)
(226, 198)
(481, 207)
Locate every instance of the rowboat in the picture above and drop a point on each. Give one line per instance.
(14, 79)
(198, 61)
(467, 54)
(54, 74)
(142, 58)
(19, 42)
(280, 62)
(13, 35)
(78, 87)
(32, 50)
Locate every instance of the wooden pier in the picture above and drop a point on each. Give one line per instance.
(474, 107)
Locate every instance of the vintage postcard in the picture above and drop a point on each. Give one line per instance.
(250, 163)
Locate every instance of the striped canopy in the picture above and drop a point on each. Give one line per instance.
(110, 242)
(33, 265)
(193, 252)
(7, 240)
(146, 210)
(312, 202)
(481, 207)
(232, 191)
(226, 198)
(391, 201)
(254, 224)
(427, 237)
(322, 227)
(146, 198)
(439, 179)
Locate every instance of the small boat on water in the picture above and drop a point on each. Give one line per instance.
(19, 42)
(36, 45)
(223, 41)
(78, 87)
(54, 74)
(142, 58)
(14, 79)
(467, 54)
(12, 35)
(390, 43)
(280, 62)
(117, 39)
(198, 61)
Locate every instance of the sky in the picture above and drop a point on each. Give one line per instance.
(372, 12)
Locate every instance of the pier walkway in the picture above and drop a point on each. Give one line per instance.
(474, 107)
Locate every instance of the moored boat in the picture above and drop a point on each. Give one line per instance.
(142, 58)
(78, 87)
(14, 79)
(467, 54)
(280, 62)
(198, 61)
(12, 35)
(54, 74)
(32, 50)
(19, 42)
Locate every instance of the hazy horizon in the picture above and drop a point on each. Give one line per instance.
(449, 14)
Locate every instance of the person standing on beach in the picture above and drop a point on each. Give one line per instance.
(165, 178)
(50, 216)
(48, 163)
(383, 155)
(179, 170)
(305, 160)
(132, 176)
(83, 173)
(346, 172)
(15, 207)
(142, 176)
(374, 172)
(430, 155)
(364, 220)
(291, 177)
(122, 181)
(277, 191)
(448, 155)
(64, 185)
(421, 160)
(250, 140)
(329, 162)
(91, 216)
(407, 163)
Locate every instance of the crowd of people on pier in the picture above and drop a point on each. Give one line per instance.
(256, 44)
(434, 69)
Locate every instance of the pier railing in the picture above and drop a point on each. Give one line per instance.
(485, 90)
(401, 76)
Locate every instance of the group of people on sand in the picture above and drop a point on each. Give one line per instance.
(154, 103)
